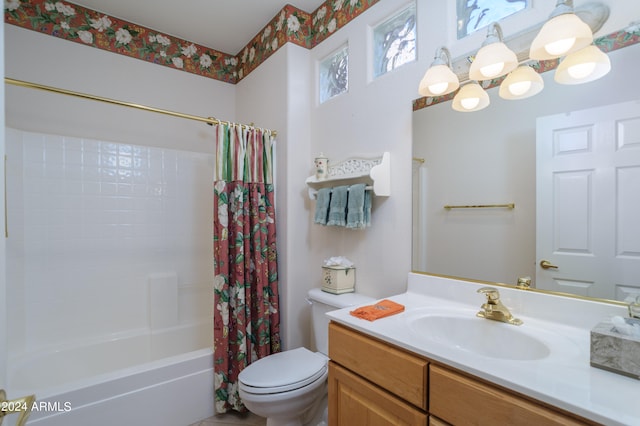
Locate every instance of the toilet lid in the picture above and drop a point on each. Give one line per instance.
(283, 371)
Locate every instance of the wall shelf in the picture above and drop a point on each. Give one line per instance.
(374, 172)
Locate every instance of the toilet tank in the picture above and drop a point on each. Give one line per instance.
(323, 302)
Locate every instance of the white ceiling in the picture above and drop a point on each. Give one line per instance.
(223, 25)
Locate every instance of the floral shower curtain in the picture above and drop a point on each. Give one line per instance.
(246, 311)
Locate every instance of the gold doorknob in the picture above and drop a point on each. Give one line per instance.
(545, 264)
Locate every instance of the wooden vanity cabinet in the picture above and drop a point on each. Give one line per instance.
(460, 399)
(391, 368)
(355, 401)
(374, 383)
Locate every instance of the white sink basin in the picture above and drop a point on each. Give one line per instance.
(479, 336)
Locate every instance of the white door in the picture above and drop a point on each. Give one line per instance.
(588, 201)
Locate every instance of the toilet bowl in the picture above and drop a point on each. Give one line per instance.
(290, 388)
(282, 387)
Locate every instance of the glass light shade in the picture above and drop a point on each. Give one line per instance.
(471, 97)
(492, 61)
(439, 80)
(583, 66)
(560, 35)
(521, 83)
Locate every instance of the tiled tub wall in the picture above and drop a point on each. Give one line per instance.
(97, 230)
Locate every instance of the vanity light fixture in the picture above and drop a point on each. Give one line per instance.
(583, 66)
(471, 97)
(494, 59)
(562, 34)
(439, 79)
(521, 83)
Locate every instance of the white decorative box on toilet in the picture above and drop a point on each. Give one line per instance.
(338, 279)
(338, 275)
(290, 388)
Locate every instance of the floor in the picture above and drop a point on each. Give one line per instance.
(232, 419)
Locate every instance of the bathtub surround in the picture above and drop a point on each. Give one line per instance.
(246, 299)
(163, 292)
(107, 242)
(140, 395)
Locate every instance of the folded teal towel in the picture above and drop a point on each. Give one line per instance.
(355, 206)
(322, 206)
(367, 208)
(338, 206)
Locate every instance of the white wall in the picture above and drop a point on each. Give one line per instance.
(3, 278)
(278, 93)
(375, 116)
(51, 61)
(372, 117)
(299, 271)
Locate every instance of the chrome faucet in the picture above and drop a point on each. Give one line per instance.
(494, 309)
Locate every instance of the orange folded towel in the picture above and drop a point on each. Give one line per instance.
(382, 309)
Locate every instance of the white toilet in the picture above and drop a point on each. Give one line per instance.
(290, 388)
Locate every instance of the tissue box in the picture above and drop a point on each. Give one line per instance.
(338, 279)
(615, 352)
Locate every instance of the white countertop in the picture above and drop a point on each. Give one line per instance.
(564, 379)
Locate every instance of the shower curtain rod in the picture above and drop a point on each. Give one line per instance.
(209, 120)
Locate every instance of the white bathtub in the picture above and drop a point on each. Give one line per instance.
(158, 378)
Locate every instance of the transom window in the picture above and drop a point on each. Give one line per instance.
(394, 41)
(334, 74)
(477, 14)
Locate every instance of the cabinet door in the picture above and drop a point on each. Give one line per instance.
(461, 400)
(354, 401)
(399, 372)
(434, 421)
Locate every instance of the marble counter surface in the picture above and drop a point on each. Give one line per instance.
(564, 378)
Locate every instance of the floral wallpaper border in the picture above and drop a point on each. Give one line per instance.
(72, 22)
(607, 43)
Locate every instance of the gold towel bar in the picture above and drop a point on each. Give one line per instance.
(483, 206)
